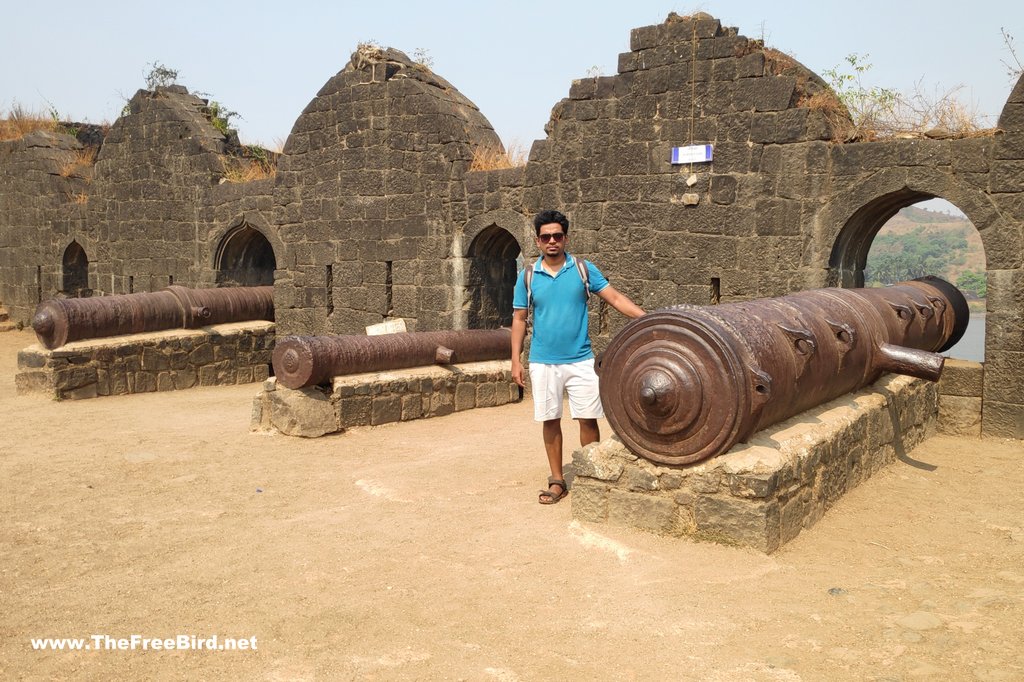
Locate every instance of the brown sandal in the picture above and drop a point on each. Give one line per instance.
(548, 497)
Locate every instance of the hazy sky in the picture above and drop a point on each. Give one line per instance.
(515, 60)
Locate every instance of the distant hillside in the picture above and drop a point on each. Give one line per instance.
(917, 239)
(923, 215)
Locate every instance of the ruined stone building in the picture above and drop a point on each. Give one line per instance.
(375, 213)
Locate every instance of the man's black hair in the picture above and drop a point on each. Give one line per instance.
(548, 217)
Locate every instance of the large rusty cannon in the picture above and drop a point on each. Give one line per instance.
(685, 383)
(60, 320)
(307, 360)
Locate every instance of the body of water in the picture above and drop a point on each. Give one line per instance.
(972, 345)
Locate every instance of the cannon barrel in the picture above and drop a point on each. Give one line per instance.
(685, 383)
(61, 320)
(306, 360)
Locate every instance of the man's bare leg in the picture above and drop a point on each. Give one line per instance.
(553, 446)
(590, 432)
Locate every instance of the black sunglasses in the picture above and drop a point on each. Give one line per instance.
(554, 237)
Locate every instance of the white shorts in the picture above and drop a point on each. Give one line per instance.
(578, 379)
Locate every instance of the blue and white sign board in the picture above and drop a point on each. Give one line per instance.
(695, 153)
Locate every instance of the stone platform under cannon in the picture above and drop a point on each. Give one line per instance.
(762, 493)
(374, 398)
(222, 354)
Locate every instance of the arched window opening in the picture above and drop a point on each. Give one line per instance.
(906, 236)
(245, 258)
(494, 257)
(75, 272)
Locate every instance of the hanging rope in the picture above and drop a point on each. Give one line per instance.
(693, 84)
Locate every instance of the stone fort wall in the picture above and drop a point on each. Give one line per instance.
(375, 213)
(151, 210)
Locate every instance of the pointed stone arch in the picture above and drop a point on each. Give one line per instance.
(245, 257)
(75, 271)
(494, 258)
(491, 250)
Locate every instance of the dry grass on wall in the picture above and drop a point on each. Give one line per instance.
(859, 113)
(19, 122)
(917, 114)
(248, 170)
(941, 113)
(489, 158)
(84, 158)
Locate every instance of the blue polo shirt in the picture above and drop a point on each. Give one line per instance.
(560, 327)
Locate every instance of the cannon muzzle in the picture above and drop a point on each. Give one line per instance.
(910, 361)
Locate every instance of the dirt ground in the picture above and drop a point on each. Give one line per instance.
(418, 551)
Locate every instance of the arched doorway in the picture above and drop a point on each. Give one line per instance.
(905, 235)
(75, 272)
(245, 258)
(850, 251)
(491, 278)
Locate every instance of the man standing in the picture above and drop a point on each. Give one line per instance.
(561, 358)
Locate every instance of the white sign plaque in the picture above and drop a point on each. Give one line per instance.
(694, 153)
(395, 326)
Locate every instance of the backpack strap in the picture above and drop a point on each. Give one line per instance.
(528, 281)
(581, 266)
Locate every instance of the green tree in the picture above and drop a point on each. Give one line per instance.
(868, 106)
(160, 75)
(884, 112)
(895, 258)
(974, 283)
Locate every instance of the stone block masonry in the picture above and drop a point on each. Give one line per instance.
(223, 354)
(960, 398)
(380, 207)
(376, 398)
(760, 494)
